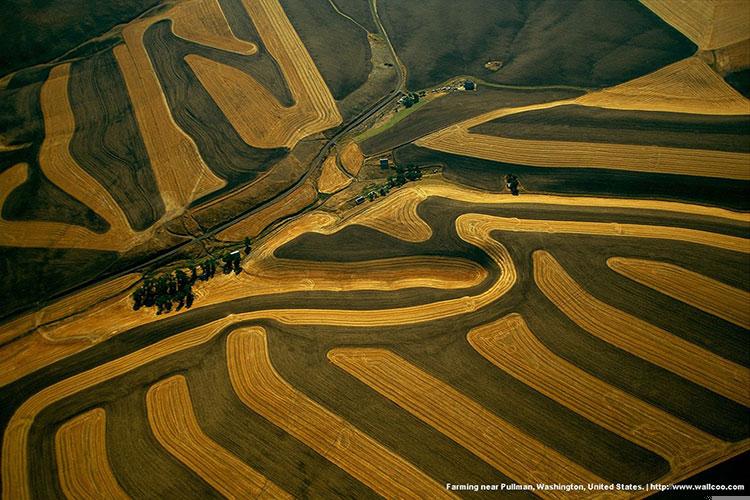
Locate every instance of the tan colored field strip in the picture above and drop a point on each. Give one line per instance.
(687, 86)
(510, 345)
(203, 22)
(262, 389)
(733, 57)
(75, 304)
(702, 292)
(398, 217)
(351, 158)
(332, 179)
(82, 463)
(252, 110)
(180, 171)
(638, 337)
(709, 24)
(254, 224)
(15, 473)
(569, 154)
(65, 338)
(170, 413)
(503, 446)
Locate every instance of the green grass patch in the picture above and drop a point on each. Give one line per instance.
(400, 115)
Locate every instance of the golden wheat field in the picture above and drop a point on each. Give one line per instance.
(213, 288)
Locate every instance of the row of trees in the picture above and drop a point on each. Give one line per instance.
(175, 289)
(403, 175)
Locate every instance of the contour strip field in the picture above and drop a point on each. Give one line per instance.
(638, 337)
(701, 292)
(170, 413)
(82, 463)
(509, 450)
(261, 388)
(511, 346)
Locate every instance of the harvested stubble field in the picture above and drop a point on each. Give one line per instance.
(267, 376)
(577, 333)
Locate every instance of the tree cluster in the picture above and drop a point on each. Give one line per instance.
(410, 100)
(512, 182)
(176, 289)
(403, 175)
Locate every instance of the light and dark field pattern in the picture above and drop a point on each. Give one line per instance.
(282, 363)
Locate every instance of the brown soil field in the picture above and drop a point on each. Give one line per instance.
(351, 158)
(180, 172)
(83, 466)
(332, 179)
(262, 121)
(639, 337)
(710, 25)
(702, 292)
(254, 224)
(463, 420)
(170, 413)
(510, 345)
(203, 22)
(261, 388)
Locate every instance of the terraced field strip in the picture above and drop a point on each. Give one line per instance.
(332, 179)
(178, 167)
(252, 110)
(638, 337)
(503, 446)
(702, 292)
(82, 463)
(203, 22)
(709, 25)
(170, 413)
(398, 217)
(571, 154)
(262, 389)
(351, 158)
(254, 224)
(511, 346)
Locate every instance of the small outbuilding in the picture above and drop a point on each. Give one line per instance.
(384, 163)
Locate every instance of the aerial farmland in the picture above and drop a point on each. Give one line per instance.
(374, 248)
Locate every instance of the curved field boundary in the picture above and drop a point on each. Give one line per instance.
(82, 463)
(398, 217)
(67, 306)
(709, 24)
(687, 86)
(254, 224)
(203, 22)
(252, 110)
(463, 420)
(15, 473)
(178, 167)
(262, 389)
(170, 413)
(542, 153)
(511, 346)
(61, 169)
(351, 158)
(35, 351)
(332, 179)
(701, 292)
(638, 337)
